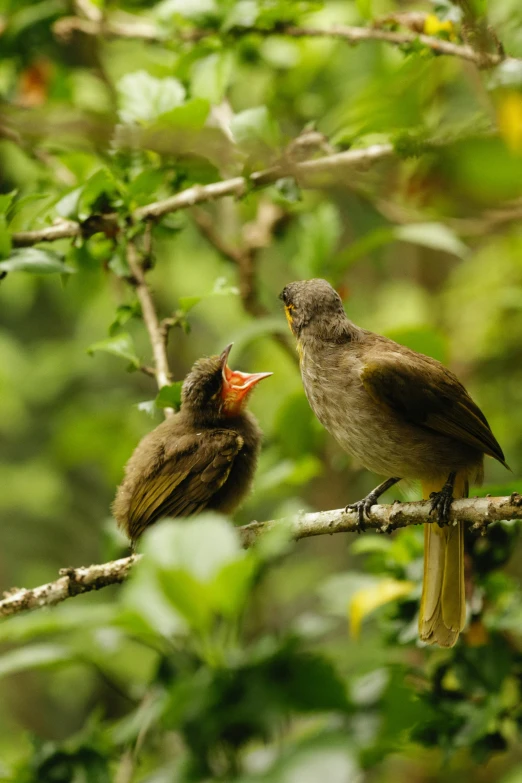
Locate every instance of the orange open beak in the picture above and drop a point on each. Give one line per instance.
(237, 385)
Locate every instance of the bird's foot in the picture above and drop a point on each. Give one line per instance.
(362, 509)
(441, 503)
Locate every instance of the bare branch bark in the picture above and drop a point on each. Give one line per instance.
(477, 513)
(72, 581)
(62, 229)
(157, 332)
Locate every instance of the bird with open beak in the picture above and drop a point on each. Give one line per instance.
(203, 457)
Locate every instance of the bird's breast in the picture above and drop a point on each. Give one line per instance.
(378, 438)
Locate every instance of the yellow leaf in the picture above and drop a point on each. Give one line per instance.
(509, 118)
(367, 599)
(433, 26)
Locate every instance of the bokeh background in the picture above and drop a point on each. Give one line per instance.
(313, 670)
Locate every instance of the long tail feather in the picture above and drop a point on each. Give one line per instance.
(443, 603)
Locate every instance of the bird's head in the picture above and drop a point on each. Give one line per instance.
(212, 390)
(314, 305)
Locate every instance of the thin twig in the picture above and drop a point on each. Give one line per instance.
(477, 513)
(150, 317)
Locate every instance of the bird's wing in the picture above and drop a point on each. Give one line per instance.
(423, 392)
(191, 473)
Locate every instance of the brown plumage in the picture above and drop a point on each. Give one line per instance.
(203, 457)
(402, 415)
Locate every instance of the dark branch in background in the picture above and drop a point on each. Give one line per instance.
(255, 236)
(478, 513)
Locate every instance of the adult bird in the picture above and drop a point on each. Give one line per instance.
(403, 415)
(203, 457)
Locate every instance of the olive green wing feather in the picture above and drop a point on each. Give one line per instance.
(185, 482)
(423, 392)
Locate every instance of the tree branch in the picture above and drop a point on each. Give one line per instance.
(199, 194)
(477, 513)
(156, 330)
(73, 581)
(137, 28)
(355, 35)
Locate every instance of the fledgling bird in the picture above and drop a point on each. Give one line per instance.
(203, 457)
(402, 415)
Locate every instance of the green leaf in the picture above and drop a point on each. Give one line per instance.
(242, 13)
(211, 76)
(121, 345)
(123, 314)
(144, 187)
(67, 206)
(98, 193)
(170, 396)
(201, 567)
(118, 262)
(186, 303)
(253, 127)
(230, 587)
(143, 97)
(35, 656)
(188, 596)
(434, 235)
(221, 287)
(365, 8)
(62, 619)
(35, 260)
(192, 115)
(199, 11)
(200, 546)
(6, 199)
(5, 238)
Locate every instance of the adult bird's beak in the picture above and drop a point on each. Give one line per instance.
(237, 385)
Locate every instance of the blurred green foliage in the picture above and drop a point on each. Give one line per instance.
(213, 663)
